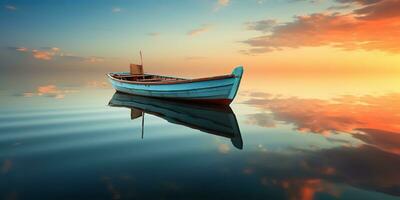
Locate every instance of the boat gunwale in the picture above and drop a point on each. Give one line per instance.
(169, 82)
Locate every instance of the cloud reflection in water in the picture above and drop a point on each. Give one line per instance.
(372, 119)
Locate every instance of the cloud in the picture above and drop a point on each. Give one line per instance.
(54, 49)
(153, 34)
(49, 91)
(46, 53)
(372, 25)
(10, 7)
(388, 9)
(203, 29)
(94, 59)
(262, 25)
(116, 10)
(50, 53)
(361, 2)
(194, 57)
(43, 55)
(21, 49)
(223, 2)
(220, 4)
(340, 7)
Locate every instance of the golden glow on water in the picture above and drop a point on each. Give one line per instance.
(322, 85)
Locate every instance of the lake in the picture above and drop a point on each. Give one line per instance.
(282, 138)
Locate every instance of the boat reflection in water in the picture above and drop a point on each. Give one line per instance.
(215, 119)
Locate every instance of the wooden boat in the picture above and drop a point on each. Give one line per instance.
(215, 90)
(214, 119)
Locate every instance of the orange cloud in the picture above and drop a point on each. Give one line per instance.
(49, 53)
(220, 4)
(43, 55)
(373, 25)
(204, 28)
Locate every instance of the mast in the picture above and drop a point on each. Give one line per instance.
(142, 124)
(141, 58)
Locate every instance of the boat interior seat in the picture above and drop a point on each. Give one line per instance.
(151, 80)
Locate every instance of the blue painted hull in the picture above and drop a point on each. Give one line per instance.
(221, 91)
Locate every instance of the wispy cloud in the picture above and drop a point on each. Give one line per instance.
(220, 4)
(262, 25)
(260, 1)
(94, 59)
(116, 10)
(340, 7)
(46, 53)
(153, 34)
(194, 57)
(21, 49)
(50, 53)
(10, 7)
(203, 29)
(371, 25)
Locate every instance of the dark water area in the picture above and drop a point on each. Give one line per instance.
(92, 143)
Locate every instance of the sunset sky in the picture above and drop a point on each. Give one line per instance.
(198, 37)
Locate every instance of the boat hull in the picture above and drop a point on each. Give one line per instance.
(214, 91)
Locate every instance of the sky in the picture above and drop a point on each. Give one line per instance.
(201, 37)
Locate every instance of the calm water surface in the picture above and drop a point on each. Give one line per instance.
(276, 141)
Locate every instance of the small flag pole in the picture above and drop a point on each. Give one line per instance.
(141, 58)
